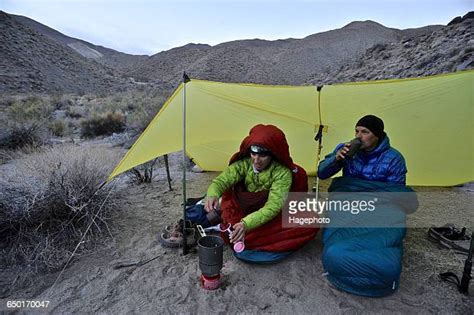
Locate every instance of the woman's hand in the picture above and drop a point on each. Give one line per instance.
(238, 233)
(211, 203)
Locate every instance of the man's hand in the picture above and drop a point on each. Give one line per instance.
(341, 154)
(238, 233)
(211, 203)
